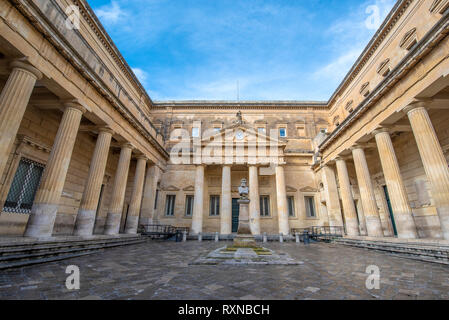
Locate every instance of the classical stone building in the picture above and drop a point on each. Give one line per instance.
(84, 150)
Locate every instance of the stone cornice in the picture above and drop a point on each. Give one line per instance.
(244, 105)
(33, 12)
(375, 42)
(431, 39)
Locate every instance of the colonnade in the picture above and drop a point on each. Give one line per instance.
(226, 200)
(14, 99)
(435, 166)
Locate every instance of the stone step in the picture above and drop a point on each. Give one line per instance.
(423, 252)
(15, 249)
(41, 253)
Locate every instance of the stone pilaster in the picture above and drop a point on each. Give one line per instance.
(254, 205)
(85, 219)
(197, 218)
(112, 225)
(149, 195)
(434, 162)
(136, 197)
(226, 201)
(350, 212)
(332, 199)
(396, 189)
(13, 102)
(370, 209)
(282, 201)
(46, 202)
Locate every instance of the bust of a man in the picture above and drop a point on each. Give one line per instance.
(243, 190)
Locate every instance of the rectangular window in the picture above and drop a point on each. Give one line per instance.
(195, 132)
(265, 206)
(156, 199)
(310, 207)
(189, 205)
(24, 187)
(214, 205)
(261, 130)
(170, 205)
(282, 132)
(291, 206)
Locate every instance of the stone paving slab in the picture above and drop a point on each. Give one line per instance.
(162, 270)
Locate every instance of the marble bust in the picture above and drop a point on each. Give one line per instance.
(243, 190)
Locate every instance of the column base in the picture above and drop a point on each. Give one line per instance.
(84, 225)
(352, 227)
(41, 221)
(373, 226)
(112, 226)
(131, 225)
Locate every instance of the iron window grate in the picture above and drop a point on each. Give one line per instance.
(24, 187)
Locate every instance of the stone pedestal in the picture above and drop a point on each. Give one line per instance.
(244, 237)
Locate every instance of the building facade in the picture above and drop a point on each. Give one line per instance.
(84, 150)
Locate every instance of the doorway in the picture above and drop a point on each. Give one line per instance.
(390, 210)
(235, 215)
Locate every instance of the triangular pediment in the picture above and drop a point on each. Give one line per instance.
(171, 188)
(308, 189)
(290, 189)
(241, 133)
(189, 188)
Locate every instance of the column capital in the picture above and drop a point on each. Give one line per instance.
(357, 146)
(418, 104)
(127, 145)
(75, 104)
(22, 63)
(106, 129)
(382, 129)
(141, 157)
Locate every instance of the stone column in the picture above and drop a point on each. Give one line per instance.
(85, 219)
(13, 102)
(370, 209)
(352, 225)
(254, 205)
(402, 211)
(46, 202)
(226, 201)
(136, 197)
(332, 198)
(282, 201)
(112, 225)
(149, 195)
(197, 218)
(434, 162)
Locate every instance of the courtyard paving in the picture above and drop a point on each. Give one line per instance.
(162, 270)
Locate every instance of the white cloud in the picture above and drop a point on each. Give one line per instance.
(110, 14)
(141, 75)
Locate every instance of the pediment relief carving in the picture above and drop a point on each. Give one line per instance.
(170, 188)
(439, 6)
(189, 188)
(409, 39)
(308, 189)
(384, 67)
(364, 89)
(350, 106)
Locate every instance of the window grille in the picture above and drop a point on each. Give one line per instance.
(265, 206)
(189, 205)
(291, 206)
(310, 206)
(214, 205)
(24, 187)
(170, 205)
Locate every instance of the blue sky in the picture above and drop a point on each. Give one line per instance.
(274, 49)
